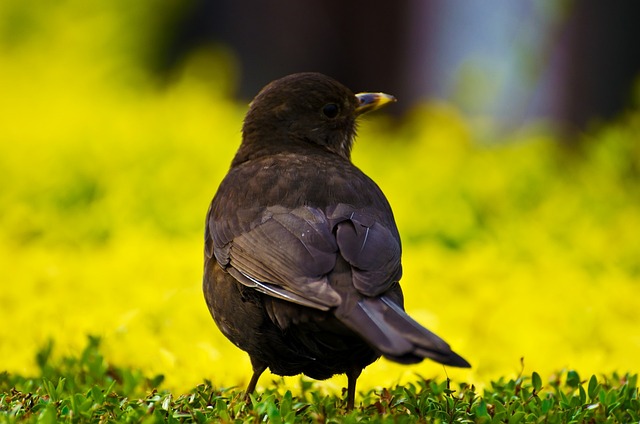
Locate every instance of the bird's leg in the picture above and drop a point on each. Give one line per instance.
(352, 377)
(258, 369)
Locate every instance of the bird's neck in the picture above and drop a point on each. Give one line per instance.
(253, 148)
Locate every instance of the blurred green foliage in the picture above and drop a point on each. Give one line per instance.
(525, 247)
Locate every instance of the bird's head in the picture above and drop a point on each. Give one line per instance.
(306, 108)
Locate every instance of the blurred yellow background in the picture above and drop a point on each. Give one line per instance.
(520, 248)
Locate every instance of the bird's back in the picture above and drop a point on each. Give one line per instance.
(307, 176)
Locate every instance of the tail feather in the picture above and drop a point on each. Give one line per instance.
(397, 336)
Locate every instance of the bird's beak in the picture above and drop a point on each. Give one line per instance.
(372, 101)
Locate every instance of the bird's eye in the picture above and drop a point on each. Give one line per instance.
(330, 110)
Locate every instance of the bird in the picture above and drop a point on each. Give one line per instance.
(302, 259)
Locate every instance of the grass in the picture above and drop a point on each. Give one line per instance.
(523, 247)
(86, 388)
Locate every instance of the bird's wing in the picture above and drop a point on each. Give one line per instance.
(368, 240)
(288, 253)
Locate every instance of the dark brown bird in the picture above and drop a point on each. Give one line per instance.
(302, 253)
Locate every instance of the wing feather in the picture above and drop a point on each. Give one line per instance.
(288, 253)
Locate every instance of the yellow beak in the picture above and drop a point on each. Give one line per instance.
(372, 101)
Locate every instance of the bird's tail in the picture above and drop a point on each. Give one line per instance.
(397, 336)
